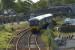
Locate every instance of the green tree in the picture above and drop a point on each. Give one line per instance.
(7, 4)
(51, 37)
(70, 1)
(22, 7)
(40, 5)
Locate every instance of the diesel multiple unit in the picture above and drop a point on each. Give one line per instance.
(40, 22)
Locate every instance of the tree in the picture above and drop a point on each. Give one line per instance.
(7, 4)
(40, 5)
(51, 42)
(22, 7)
(70, 1)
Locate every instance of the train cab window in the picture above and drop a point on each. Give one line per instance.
(34, 22)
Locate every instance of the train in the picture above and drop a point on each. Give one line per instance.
(41, 22)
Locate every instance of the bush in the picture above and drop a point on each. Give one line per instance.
(4, 38)
(8, 28)
(2, 27)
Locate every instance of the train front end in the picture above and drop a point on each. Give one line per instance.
(39, 22)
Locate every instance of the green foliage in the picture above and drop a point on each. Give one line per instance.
(2, 27)
(8, 28)
(22, 7)
(6, 33)
(27, 5)
(43, 4)
(44, 36)
(51, 37)
(48, 37)
(21, 25)
(46, 3)
(6, 4)
(69, 1)
(39, 5)
(4, 38)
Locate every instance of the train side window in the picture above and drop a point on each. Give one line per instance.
(43, 21)
(46, 19)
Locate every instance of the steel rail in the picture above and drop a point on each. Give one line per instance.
(36, 42)
(20, 38)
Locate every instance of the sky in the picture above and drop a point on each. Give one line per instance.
(34, 1)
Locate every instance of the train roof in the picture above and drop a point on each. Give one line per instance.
(41, 17)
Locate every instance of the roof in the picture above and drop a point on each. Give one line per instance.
(41, 17)
(71, 21)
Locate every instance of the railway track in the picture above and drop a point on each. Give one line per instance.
(33, 43)
(27, 40)
(22, 41)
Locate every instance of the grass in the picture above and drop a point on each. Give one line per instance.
(4, 38)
